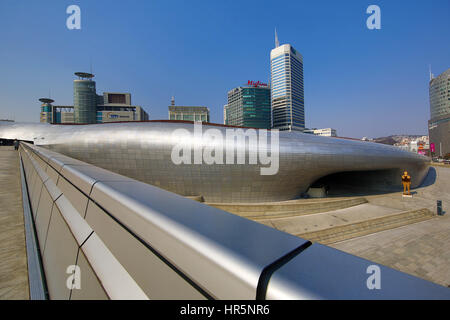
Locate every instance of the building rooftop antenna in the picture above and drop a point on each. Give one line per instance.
(172, 101)
(277, 43)
(431, 74)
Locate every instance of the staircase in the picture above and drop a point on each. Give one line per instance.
(358, 229)
(259, 211)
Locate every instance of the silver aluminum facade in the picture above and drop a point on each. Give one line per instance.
(143, 151)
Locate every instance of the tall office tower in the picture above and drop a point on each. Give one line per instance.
(84, 98)
(249, 106)
(46, 110)
(287, 91)
(439, 123)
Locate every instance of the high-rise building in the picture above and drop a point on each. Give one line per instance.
(439, 123)
(46, 110)
(249, 106)
(287, 91)
(84, 98)
(188, 113)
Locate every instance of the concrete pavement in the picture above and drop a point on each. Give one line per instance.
(421, 249)
(13, 258)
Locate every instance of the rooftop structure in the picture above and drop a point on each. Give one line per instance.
(326, 132)
(84, 75)
(189, 113)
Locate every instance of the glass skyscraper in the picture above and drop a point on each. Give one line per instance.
(439, 88)
(439, 123)
(249, 107)
(287, 91)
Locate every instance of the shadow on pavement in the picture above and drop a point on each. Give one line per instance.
(430, 179)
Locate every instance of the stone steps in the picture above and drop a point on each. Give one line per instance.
(358, 229)
(258, 211)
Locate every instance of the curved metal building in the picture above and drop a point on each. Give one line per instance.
(151, 152)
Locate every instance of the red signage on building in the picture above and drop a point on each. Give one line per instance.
(256, 84)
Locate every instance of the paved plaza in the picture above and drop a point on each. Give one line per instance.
(421, 249)
(399, 232)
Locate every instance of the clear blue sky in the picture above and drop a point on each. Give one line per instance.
(361, 82)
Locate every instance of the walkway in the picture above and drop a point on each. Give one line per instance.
(13, 258)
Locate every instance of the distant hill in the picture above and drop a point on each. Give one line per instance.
(391, 140)
(385, 140)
